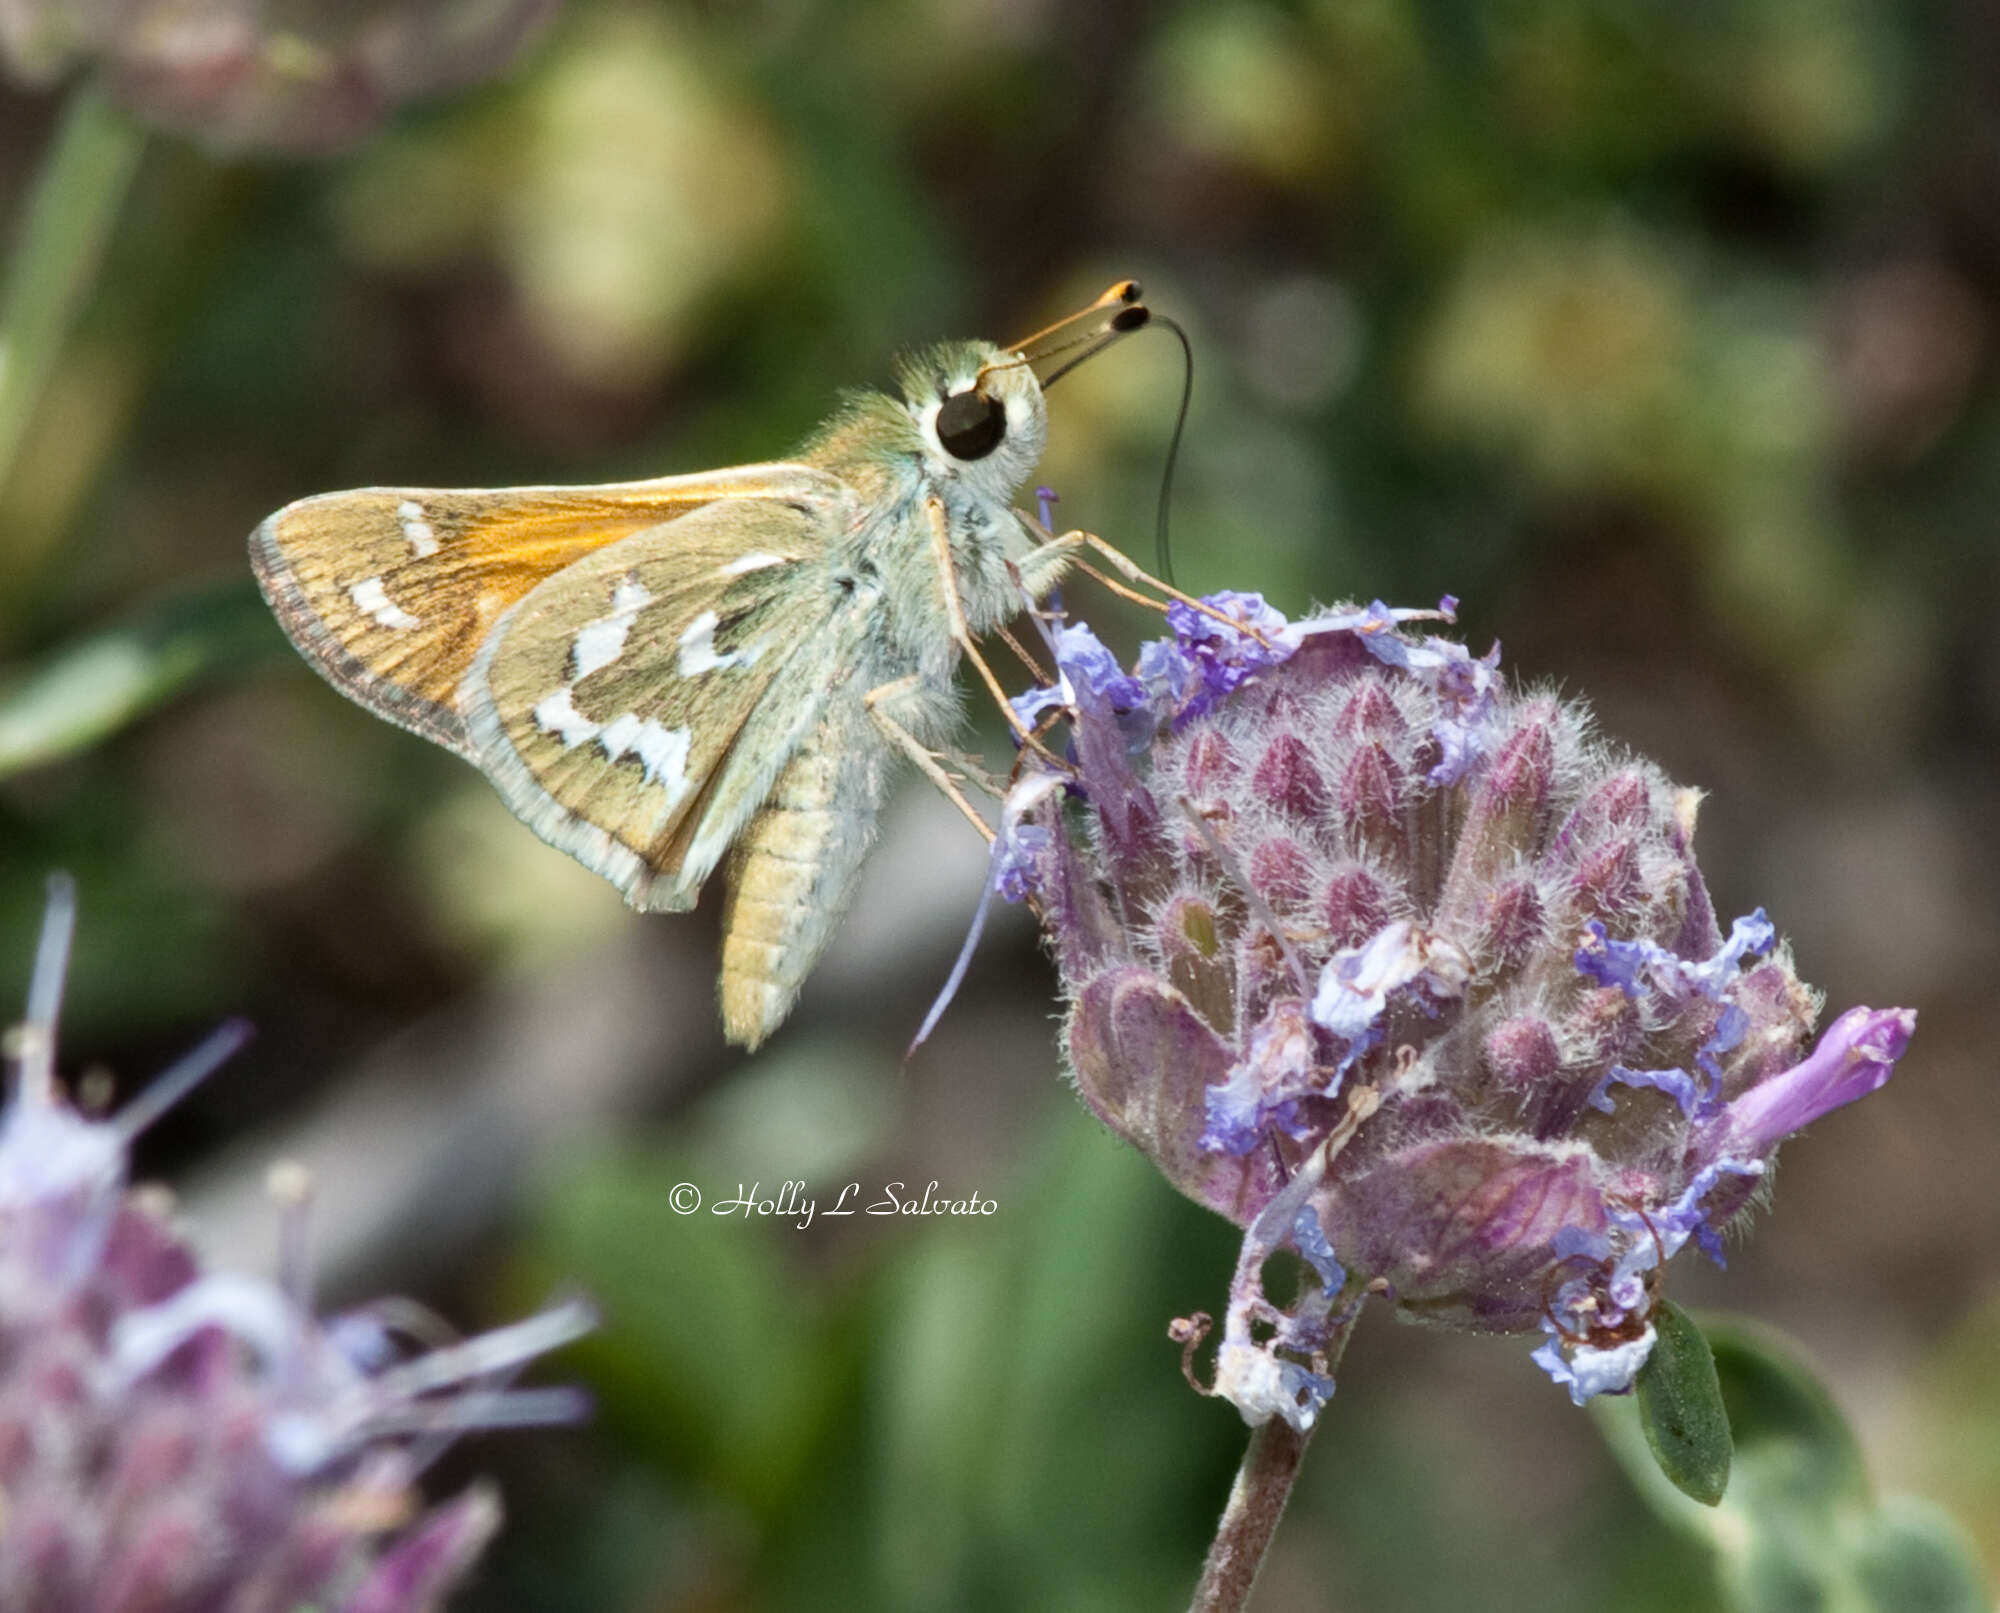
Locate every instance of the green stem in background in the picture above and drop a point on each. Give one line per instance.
(83, 179)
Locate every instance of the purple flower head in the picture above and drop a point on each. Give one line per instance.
(184, 1441)
(1407, 947)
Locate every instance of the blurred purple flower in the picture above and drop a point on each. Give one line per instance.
(232, 74)
(1399, 967)
(183, 1441)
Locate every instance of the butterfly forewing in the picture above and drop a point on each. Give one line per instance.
(621, 706)
(392, 591)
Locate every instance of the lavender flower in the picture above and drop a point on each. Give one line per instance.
(227, 71)
(183, 1441)
(1400, 967)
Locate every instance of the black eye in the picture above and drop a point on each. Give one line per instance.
(970, 425)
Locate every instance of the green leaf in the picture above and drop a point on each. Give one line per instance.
(89, 690)
(1913, 1558)
(1681, 1410)
(1785, 1419)
(1800, 1529)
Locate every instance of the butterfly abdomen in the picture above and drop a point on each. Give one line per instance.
(791, 873)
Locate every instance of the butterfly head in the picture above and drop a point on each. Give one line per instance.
(978, 414)
(978, 408)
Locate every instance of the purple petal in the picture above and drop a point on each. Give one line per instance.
(1019, 856)
(1172, 678)
(418, 1570)
(1677, 1084)
(1031, 705)
(1730, 1029)
(1588, 1371)
(1311, 1240)
(1224, 658)
(1357, 982)
(1855, 1056)
(1749, 937)
(1094, 671)
(1264, 1087)
(1110, 715)
(1614, 963)
(1671, 1225)
(1573, 1241)
(1636, 967)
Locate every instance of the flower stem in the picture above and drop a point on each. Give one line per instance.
(1263, 1486)
(83, 179)
(1256, 1503)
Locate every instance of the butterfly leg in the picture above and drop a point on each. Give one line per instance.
(876, 700)
(1044, 565)
(962, 635)
(1070, 542)
(1034, 667)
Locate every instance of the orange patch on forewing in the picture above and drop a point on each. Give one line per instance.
(491, 550)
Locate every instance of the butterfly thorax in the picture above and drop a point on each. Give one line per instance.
(888, 451)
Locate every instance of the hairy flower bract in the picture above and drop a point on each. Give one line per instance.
(1387, 959)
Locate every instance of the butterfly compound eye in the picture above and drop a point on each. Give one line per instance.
(970, 425)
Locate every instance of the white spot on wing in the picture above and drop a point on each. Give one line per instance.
(619, 735)
(661, 752)
(664, 753)
(698, 652)
(601, 642)
(372, 600)
(416, 530)
(598, 644)
(756, 560)
(557, 714)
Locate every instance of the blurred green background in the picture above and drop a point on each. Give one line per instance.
(1661, 334)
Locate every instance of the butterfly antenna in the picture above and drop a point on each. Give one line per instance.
(1173, 445)
(1059, 348)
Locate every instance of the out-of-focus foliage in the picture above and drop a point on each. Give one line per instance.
(298, 75)
(1662, 335)
(1801, 1525)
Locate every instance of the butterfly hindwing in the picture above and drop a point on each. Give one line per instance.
(625, 707)
(391, 592)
